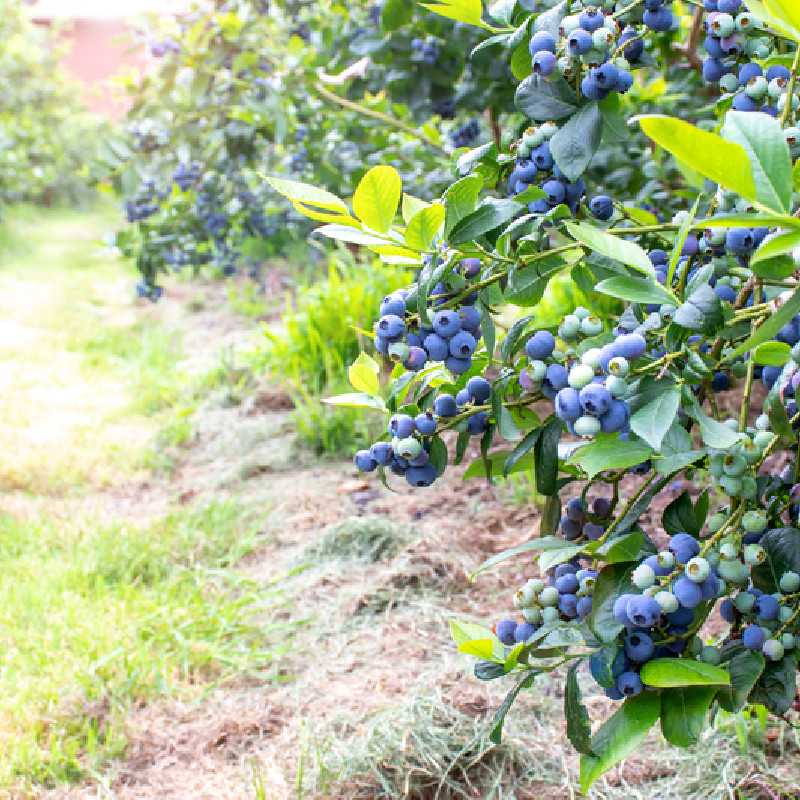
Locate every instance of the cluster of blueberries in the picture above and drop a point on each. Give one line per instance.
(535, 166)
(564, 594)
(466, 134)
(160, 49)
(452, 337)
(425, 50)
(578, 524)
(588, 391)
(144, 203)
(408, 452)
(591, 39)
(732, 33)
(186, 175)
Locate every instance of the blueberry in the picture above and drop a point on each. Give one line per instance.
(713, 70)
(602, 207)
(438, 348)
(606, 75)
(382, 453)
(523, 632)
(727, 610)
(542, 157)
(470, 319)
(421, 476)
(629, 684)
(592, 531)
(753, 637)
(591, 89)
(568, 407)
(479, 389)
(639, 647)
(542, 40)
(630, 346)
(683, 616)
(567, 584)
(544, 63)
(688, 592)
(568, 605)
(505, 630)
(643, 611)
(576, 510)
(557, 376)
(766, 607)
(478, 423)
(620, 608)
(458, 366)
(540, 345)
(570, 529)
(633, 51)
(660, 20)
(595, 400)
(416, 359)
(749, 71)
(616, 418)
(555, 191)
(579, 42)
(624, 81)
(463, 345)
(470, 267)
(445, 406)
(365, 462)
(401, 426)
(446, 323)
(391, 326)
(393, 304)
(463, 397)
(684, 547)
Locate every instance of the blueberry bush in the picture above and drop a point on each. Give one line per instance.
(315, 92)
(43, 128)
(650, 157)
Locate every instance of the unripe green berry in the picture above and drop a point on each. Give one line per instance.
(754, 521)
(744, 602)
(710, 655)
(789, 582)
(665, 559)
(729, 83)
(617, 386)
(762, 440)
(408, 448)
(569, 327)
(723, 25)
(757, 87)
(788, 641)
(754, 554)
(536, 371)
(643, 576)
(532, 614)
(548, 596)
(587, 426)
(715, 522)
(580, 375)
(591, 326)
(667, 601)
(728, 551)
(730, 485)
(591, 358)
(398, 351)
(550, 615)
(773, 649)
(697, 569)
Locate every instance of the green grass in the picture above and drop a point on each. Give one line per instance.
(95, 618)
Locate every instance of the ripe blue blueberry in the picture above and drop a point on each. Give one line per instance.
(584, 607)
(688, 592)
(579, 42)
(462, 345)
(470, 319)
(555, 191)
(766, 607)
(557, 376)
(478, 423)
(595, 400)
(446, 323)
(391, 326)
(620, 608)
(401, 426)
(542, 157)
(458, 366)
(421, 476)
(568, 605)
(629, 684)
(416, 359)
(591, 89)
(544, 63)
(684, 547)
(479, 389)
(505, 630)
(567, 584)
(445, 406)
(616, 418)
(540, 346)
(393, 304)
(602, 207)
(639, 647)
(523, 632)
(382, 452)
(542, 40)
(643, 611)
(568, 406)
(437, 347)
(753, 637)
(570, 529)
(365, 462)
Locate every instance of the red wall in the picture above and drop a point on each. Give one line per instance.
(96, 51)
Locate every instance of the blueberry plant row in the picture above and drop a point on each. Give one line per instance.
(693, 374)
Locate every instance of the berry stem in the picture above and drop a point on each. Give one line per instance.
(751, 367)
(627, 507)
(788, 109)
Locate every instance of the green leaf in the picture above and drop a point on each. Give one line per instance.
(344, 233)
(463, 632)
(579, 731)
(534, 545)
(714, 433)
(636, 290)
(619, 736)
(574, 145)
(676, 451)
(702, 311)
(608, 451)
(526, 284)
(783, 555)
(395, 14)
(651, 422)
(307, 194)
(509, 346)
(612, 581)
(772, 354)
(717, 159)
(489, 670)
(546, 457)
(745, 668)
(670, 672)
(769, 328)
(460, 200)
(778, 15)
(356, 400)
(377, 198)
(776, 687)
(467, 11)
(680, 241)
(423, 227)
(500, 715)
(411, 206)
(438, 454)
(522, 449)
(550, 20)
(542, 99)
(622, 549)
(489, 216)
(776, 246)
(684, 712)
(681, 516)
(614, 247)
(770, 161)
(477, 469)
(363, 374)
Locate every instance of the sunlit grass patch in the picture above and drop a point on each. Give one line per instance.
(94, 619)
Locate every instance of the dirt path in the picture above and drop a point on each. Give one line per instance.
(355, 690)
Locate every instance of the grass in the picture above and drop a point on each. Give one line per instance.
(96, 618)
(360, 539)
